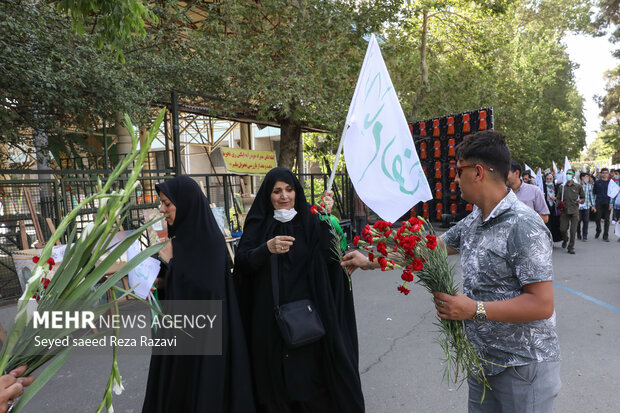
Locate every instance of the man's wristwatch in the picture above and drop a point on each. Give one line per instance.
(481, 315)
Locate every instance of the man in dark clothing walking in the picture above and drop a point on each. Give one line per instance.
(603, 206)
(572, 195)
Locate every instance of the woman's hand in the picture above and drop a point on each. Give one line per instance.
(280, 244)
(329, 201)
(166, 252)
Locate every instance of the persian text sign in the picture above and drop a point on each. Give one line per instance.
(246, 161)
(378, 147)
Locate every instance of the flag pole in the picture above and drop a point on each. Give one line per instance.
(330, 183)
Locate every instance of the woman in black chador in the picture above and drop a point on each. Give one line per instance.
(319, 377)
(550, 191)
(199, 271)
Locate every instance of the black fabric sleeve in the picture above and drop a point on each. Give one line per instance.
(254, 258)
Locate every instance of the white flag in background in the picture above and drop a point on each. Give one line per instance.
(378, 149)
(539, 180)
(527, 168)
(612, 189)
(555, 168)
(566, 164)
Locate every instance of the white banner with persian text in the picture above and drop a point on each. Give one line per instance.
(378, 148)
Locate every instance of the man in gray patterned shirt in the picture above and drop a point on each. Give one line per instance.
(507, 271)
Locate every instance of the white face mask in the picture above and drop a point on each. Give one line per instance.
(616, 176)
(284, 215)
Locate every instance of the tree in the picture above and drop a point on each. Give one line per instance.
(608, 20)
(53, 80)
(509, 57)
(113, 24)
(58, 81)
(610, 110)
(290, 61)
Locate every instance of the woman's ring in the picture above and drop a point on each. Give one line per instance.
(440, 303)
(282, 248)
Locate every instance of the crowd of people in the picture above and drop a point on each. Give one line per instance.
(567, 205)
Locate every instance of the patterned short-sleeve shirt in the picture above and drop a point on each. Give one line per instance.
(500, 255)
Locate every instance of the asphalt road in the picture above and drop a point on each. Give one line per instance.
(400, 362)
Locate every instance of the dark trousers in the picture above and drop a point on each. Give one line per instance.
(565, 220)
(602, 211)
(582, 225)
(360, 223)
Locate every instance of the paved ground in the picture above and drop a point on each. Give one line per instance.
(401, 363)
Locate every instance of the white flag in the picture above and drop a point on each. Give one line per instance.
(555, 168)
(527, 168)
(612, 189)
(539, 180)
(378, 149)
(566, 164)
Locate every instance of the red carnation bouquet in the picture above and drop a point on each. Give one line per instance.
(412, 248)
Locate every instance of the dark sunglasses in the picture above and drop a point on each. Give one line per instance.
(459, 169)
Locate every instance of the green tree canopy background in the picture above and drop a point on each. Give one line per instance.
(68, 64)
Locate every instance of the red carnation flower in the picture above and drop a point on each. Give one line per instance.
(416, 264)
(35, 259)
(382, 263)
(387, 232)
(371, 256)
(51, 262)
(382, 225)
(356, 240)
(382, 248)
(314, 209)
(403, 289)
(407, 276)
(432, 241)
(415, 224)
(366, 232)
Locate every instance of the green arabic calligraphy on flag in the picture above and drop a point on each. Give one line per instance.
(378, 146)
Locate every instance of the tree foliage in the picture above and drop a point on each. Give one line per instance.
(510, 58)
(608, 21)
(291, 61)
(53, 79)
(295, 62)
(113, 24)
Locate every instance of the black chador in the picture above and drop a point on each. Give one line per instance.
(199, 270)
(322, 376)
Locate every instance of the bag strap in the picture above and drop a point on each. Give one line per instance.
(274, 280)
(563, 188)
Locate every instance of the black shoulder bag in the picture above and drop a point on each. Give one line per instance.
(299, 321)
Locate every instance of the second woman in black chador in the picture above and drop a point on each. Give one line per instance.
(319, 377)
(199, 271)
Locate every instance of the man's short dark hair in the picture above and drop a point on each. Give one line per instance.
(488, 148)
(604, 170)
(515, 166)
